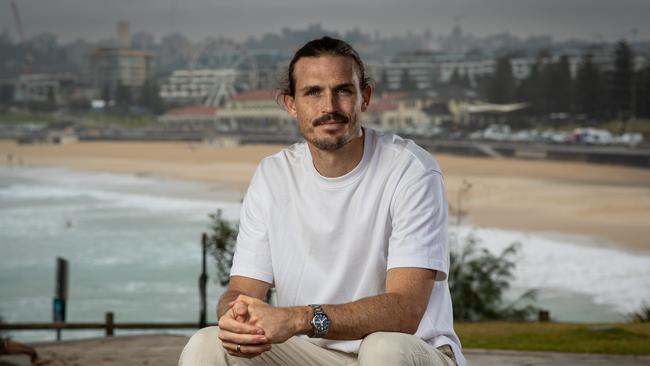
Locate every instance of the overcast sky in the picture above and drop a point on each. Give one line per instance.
(238, 19)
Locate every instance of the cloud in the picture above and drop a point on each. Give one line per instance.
(95, 19)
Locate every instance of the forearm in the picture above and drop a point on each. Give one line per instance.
(400, 309)
(387, 312)
(391, 312)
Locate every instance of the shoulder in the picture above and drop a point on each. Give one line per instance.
(405, 155)
(289, 158)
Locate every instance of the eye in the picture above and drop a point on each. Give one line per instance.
(312, 92)
(345, 91)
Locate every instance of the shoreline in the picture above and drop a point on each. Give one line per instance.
(606, 203)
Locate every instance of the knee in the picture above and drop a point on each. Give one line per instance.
(204, 344)
(205, 337)
(382, 348)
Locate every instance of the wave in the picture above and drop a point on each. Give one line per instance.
(38, 189)
(610, 276)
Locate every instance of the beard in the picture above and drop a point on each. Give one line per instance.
(330, 144)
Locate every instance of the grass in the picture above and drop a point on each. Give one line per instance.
(622, 339)
(125, 121)
(92, 119)
(636, 125)
(24, 117)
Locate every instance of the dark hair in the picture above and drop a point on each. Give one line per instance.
(316, 48)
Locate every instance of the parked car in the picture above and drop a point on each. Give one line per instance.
(495, 132)
(592, 136)
(630, 139)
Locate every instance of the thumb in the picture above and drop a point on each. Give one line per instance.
(239, 308)
(247, 300)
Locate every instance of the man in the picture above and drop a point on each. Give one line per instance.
(349, 227)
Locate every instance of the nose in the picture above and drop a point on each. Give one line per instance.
(329, 102)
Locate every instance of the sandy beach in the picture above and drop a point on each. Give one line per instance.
(607, 203)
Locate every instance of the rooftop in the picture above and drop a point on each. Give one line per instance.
(255, 95)
(195, 110)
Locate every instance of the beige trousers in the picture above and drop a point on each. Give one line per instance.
(377, 349)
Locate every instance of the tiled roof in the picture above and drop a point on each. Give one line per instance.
(255, 95)
(384, 102)
(381, 105)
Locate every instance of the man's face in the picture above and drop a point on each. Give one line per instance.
(328, 100)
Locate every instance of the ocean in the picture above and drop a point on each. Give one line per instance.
(133, 246)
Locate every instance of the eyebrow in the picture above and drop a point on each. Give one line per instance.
(344, 85)
(317, 87)
(310, 88)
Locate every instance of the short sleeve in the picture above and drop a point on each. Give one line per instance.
(419, 226)
(252, 253)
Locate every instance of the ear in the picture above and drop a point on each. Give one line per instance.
(290, 105)
(366, 94)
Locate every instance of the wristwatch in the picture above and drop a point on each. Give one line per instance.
(320, 323)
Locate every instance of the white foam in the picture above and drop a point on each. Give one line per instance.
(154, 287)
(124, 191)
(610, 276)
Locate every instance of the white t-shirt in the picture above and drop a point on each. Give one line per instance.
(325, 240)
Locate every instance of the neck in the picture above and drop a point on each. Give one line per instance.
(336, 163)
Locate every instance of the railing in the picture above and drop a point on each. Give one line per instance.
(109, 325)
(109, 320)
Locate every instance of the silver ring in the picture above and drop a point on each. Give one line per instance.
(239, 348)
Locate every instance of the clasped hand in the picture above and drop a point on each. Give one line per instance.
(253, 325)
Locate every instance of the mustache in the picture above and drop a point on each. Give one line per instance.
(333, 116)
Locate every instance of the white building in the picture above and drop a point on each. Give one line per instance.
(398, 75)
(112, 66)
(399, 112)
(44, 88)
(192, 118)
(209, 86)
(472, 69)
(254, 111)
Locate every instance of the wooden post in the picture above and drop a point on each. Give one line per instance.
(203, 280)
(544, 316)
(60, 294)
(110, 326)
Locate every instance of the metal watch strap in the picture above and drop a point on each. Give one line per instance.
(317, 310)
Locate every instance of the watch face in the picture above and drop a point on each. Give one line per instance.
(321, 322)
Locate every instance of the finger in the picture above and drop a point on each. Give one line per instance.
(232, 325)
(238, 317)
(246, 351)
(232, 303)
(247, 299)
(244, 339)
(250, 350)
(242, 355)
(240, 309)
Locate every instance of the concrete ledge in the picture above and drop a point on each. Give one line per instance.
(482, 357)
(15, 360)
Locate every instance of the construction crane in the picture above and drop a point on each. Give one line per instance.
(27, 56)
(19, 23)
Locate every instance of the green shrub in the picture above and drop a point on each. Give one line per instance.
(478, 280)
(221, 245)
(640, 316)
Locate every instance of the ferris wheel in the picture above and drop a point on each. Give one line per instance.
(227, 66)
